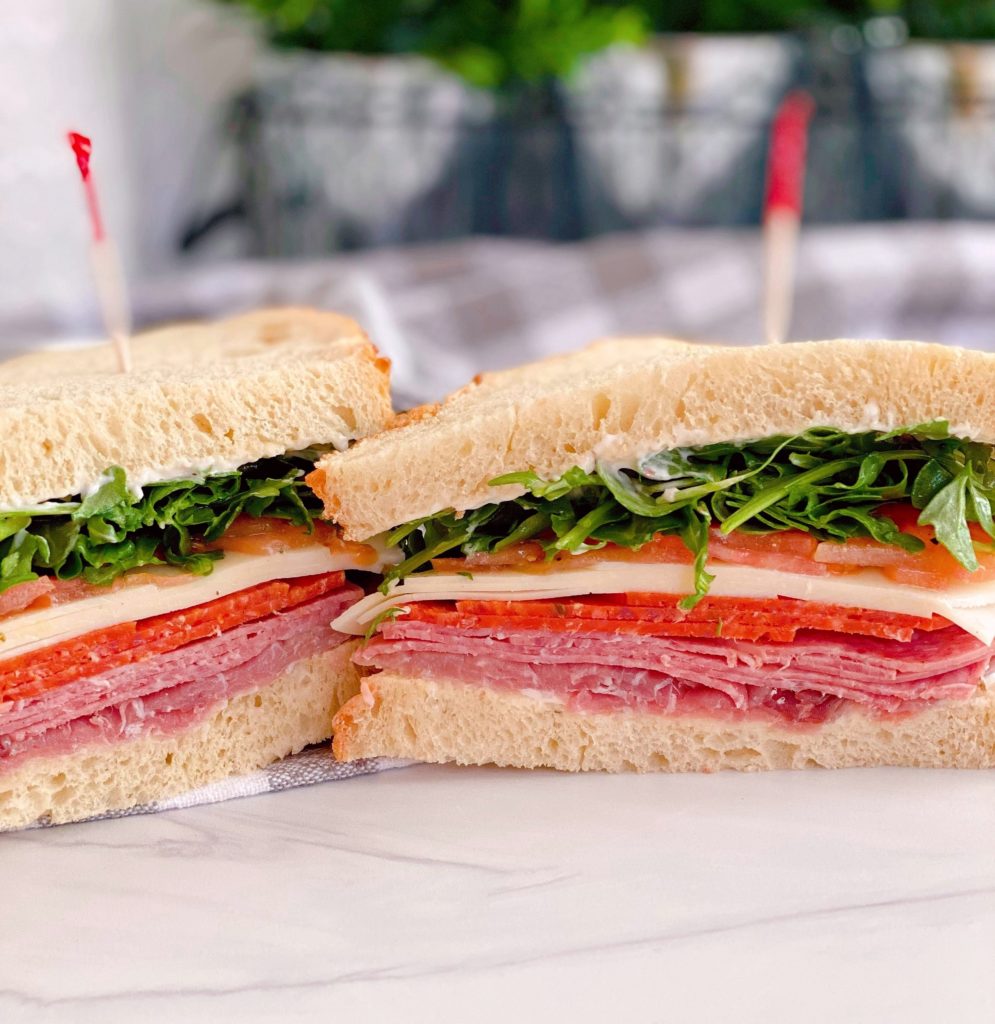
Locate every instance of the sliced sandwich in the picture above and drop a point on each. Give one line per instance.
(661, 556)
(166, 585)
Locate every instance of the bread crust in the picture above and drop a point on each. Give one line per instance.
(446, 720)
(243, 734)
(200, 397)
(624, 398)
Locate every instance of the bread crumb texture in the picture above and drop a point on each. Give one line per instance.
(200, 396)
(241, 735)
(440, 721)
(625, 398)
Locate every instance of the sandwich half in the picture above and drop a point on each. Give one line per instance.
(166, 586)
(653, 555)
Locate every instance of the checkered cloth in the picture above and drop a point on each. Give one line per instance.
(307, 768)
(446, 312)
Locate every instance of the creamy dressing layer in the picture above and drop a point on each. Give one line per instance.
(139, 480)
(215, 466)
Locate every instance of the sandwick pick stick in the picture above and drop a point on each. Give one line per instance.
(108, 274)
(783, 211)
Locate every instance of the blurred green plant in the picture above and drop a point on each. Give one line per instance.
(745, 15)
(374, 26)
(931, 19)
(936, 19)
(498, 43)
(944, 19)
(491, 44)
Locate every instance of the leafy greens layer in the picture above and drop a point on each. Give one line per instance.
(113, 529)
(822, 481)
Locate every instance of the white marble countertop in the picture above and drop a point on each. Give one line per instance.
(437, 894)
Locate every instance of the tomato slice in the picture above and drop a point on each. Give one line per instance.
(933, 568)
(32, 594)
(860, 551)
(262, 535)
(792, 551)
(266, 535)
(668, 549)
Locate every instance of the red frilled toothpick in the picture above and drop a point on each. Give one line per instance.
(783, 211)
(108, 274)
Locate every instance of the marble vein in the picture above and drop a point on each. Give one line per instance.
(409, 971)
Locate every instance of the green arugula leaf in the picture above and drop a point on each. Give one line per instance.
(932, 478)
(630, 492)
(440, 545)
(525, 530)
(577, 538)
(11, 523)
(114, 529)
(17, 562)
(679, 464)
(947, 514)
(112, 494)
(695, 537)
(936, 430)
(979, 507)
(549, 489)
(822, 481)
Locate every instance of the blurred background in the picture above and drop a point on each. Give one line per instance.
(483, 182)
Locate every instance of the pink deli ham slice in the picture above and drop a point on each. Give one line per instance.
(807, 680)
(170, 692)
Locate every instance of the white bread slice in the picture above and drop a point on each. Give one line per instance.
(200, 397)
(446, 720)
(625, 398)
(245, 733)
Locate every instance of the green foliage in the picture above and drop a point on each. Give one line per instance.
(945, 19)
(356, 26)
(930, 19)
(740, 15)
(113, 530)
(822, 481)
(496, 43)
(491, 44)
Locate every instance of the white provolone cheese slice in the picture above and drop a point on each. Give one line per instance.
(971, 606)
(175, 590)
